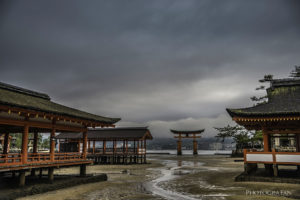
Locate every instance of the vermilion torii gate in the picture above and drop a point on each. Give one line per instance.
(187, 134)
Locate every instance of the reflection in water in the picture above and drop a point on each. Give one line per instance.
(167, 175)
(196, 164)
(179, 163)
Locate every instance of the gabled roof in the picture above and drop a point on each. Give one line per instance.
(187, 131)
(130, 133)
(283, 100)
(27, 99)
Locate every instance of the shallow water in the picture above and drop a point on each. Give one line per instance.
(168, 173)
(174, 169)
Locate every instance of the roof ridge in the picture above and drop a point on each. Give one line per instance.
(24, 91)
(285, 82)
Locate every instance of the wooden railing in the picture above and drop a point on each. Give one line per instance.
(68, 156)
(16, 158)
(38, 157)
(10, 159)
(273, 157)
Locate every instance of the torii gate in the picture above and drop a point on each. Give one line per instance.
(187, 134)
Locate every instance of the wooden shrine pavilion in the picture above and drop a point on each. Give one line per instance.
(110, 145)
(279, 120)
(28, 112)
(180, 134)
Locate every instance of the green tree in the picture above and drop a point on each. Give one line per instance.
(241, 136)
(46, 143)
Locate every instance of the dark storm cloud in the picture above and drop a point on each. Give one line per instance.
(148, 60)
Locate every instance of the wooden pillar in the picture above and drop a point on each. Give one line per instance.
(104, 146)
(52, 144)
(115, 146)
(138, 146)
(79, 146)
(94, 145)
(6, 143)
(89, 145)
(145, 142)
(84, 144)
(41, 173)
(124, 148)
(83, 170)
(25, 144)
(179, 152)
(275, 170)
(51, 174)
(195, 145)
(134, 150)
(35, 142)
(266, 140)
(22, 178)
(32, 173)
(298, 142)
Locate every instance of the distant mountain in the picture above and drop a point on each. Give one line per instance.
(203, 144)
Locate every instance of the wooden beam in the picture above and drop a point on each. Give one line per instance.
(44, 125)
(32, 113)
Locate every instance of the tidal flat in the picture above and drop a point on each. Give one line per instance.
(184, 177)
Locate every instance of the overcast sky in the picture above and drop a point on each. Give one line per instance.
(160, 63)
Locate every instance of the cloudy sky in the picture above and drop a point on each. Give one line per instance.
(164, 64)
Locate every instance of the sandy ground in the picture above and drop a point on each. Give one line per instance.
(172, 177)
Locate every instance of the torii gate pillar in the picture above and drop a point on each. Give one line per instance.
(187, 134)
(179, 152)
(195, 147)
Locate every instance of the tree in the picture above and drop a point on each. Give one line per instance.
(46, 143)
(241, 136)
(262, 99)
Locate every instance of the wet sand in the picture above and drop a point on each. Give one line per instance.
(172, 177)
